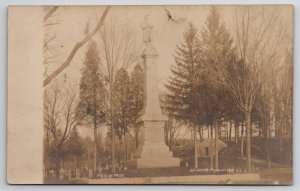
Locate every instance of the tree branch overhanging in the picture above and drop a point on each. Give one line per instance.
(76, 48)
(50, 12)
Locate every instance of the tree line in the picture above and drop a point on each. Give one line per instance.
(237, 75)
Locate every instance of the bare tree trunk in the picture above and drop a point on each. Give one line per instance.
(216, 146)
(57, 164)
(248, 126)
(136, 131)
(210, 148)
(219, 131)
(251, 129)
(113, 147)
(208, 132)
(269, 131)
(46, 153)
(195, 146)
(75, 161)
(280, 137)
(236, 132)
(243, 125)
(88, 162)
(242, 141)
(227, 131)
(226, 134)
(230, 130)
(125, 140)
(200, 133)
(268, 153)
(167, 134)
(261, 129)
(265, 128)
(95, 151)
(113, 162)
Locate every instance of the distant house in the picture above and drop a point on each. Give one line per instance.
(207, 147)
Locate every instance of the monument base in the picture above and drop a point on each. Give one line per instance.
(155, 152)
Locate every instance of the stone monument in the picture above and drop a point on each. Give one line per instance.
(155, 152)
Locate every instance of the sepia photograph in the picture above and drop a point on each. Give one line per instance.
(165, 94)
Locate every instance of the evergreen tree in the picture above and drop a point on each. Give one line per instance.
(122, 115)
(215, 38)
(136, 97)
(92, 104)
(181, 102)
(74, 145)
(121, 101)
(217, 50)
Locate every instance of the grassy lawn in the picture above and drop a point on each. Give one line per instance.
(229, 158)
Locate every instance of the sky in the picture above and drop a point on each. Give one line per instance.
(166, 34)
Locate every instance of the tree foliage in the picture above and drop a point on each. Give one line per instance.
(121, 89)
(74, 144)
(92, 106)
(137, 84)
(92, 94)
(181, 100)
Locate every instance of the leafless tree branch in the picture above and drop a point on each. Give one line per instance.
(76, 48)
(50, 12)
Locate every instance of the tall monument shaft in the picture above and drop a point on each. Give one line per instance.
(151, 103)
(155, 152)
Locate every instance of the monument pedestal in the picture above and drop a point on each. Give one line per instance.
(155, 152)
